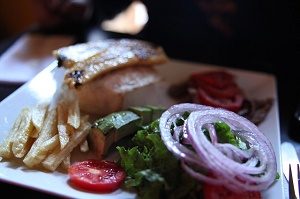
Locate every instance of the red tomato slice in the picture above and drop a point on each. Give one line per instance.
(226, 92)
(233, 104)
(220, 192)
(218, 79)
(217, 89)
(96, 175)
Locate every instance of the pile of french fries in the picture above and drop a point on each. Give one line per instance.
(44, 136)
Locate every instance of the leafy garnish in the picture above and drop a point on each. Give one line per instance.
(225, 134)
(152, 170)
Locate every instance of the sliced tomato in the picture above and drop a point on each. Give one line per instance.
(96, 175)
(233, 104)
(220, 192)
(226, 92)
(217, 89)
(218, 79)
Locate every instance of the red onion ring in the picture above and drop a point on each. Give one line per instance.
(239, 170)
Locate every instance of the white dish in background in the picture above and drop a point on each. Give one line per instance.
(29, 55)
(42, 87)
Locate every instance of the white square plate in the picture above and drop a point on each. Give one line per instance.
(43, 86)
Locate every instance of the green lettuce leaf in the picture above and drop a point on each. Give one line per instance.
(152, 170)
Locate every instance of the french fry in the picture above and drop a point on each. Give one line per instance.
(22, 140)
(38, 114)
(66, 162)
(45, 142)
(62, 126)
(74, 114)
(63, 135)
(6, 146)
(84, 146)
(42, 152)
(56, 158)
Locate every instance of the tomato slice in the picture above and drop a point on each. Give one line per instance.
(226, 92)
(218, 79)
(233, 104)
(220, 192)
(217, 89)
(96, 175)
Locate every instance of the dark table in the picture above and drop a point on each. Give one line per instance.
(279, 63)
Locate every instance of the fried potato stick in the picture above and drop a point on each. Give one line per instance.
(43, 144)
(84, 146)
(74, 114)
(22, 140)
(5, 147)
(56, 158)
(38, 115)
(62, 126)
(66, 162)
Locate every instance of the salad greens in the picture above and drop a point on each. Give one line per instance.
(225, 135)
(152, 170)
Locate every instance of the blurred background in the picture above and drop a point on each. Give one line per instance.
(248, 33)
